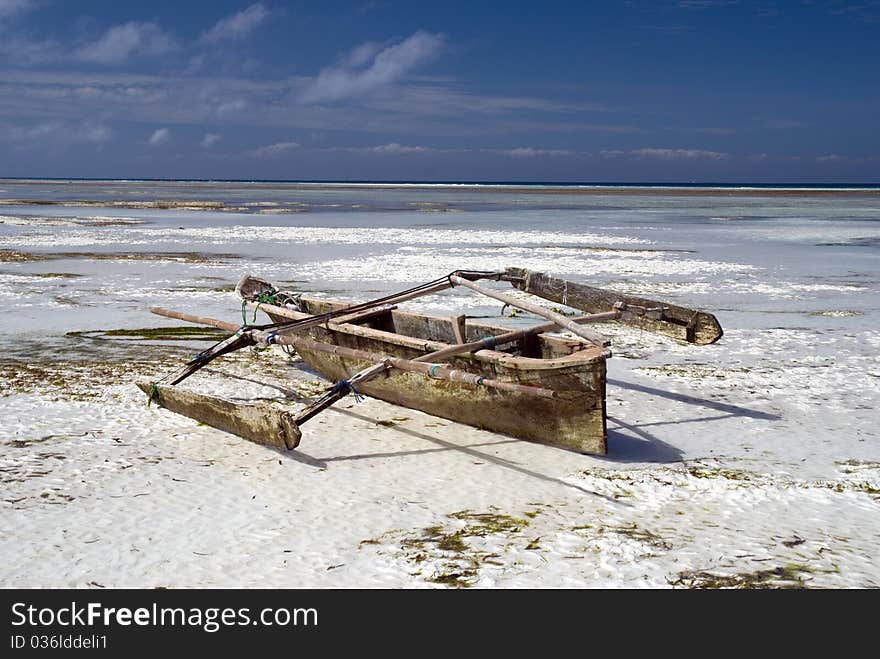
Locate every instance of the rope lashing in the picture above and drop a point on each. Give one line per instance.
(269, 297)
(432, 371)
(154, 394)
(345, 386)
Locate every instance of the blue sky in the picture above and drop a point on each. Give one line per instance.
(679, 90)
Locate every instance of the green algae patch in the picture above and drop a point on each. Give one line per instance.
(75, 380)
(393, 421)
(635, 532)
(176, 257)
(851, 486)
(483, 524)
(54, 275)
(14, 256)
(856, 466)
(703, 471)
(186, 332)
(787, 576)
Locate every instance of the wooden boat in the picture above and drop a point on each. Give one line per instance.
(529, 384)
(575, 420)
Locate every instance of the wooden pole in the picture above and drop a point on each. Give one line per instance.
(459, 328)
(488, 342)
(424, 365)
(558, 319)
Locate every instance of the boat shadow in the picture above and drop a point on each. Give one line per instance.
(467, 449)
(627, 443)
(637, 445)
(727, 408)
(442, 445)
(632, 443)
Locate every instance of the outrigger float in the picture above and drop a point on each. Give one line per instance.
(532, 383)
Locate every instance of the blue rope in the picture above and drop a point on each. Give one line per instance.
(433, 368)
(344, 386)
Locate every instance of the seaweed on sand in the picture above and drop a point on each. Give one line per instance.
(457, 562)
(787, 576)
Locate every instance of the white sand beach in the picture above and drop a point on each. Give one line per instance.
(753, 462)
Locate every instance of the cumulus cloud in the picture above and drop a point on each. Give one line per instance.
(369, 68)
(159, 136)
(361, 55)
(210, 139)
(272, 150)
(122, 41)
(238, 26)
(667, 154)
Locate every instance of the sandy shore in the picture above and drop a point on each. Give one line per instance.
(754, 462)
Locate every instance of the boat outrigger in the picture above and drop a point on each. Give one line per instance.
(532, 383)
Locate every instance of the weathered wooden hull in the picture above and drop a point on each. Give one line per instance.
(575, 421)
(690, 325)
(257, 422)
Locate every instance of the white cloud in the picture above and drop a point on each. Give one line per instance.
(232, 106)
(394, 147)
(219, 103)
(529, 152)
(210, 139)
(360, 55)
(667, 154)
(831, 157)
(122, 41)
(238, 26)
(159, 136)
(94, 133)
(58, 134)
(272, 150)
(368, 69)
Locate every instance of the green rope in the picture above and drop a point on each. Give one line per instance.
(154, 394)
(263, 298)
